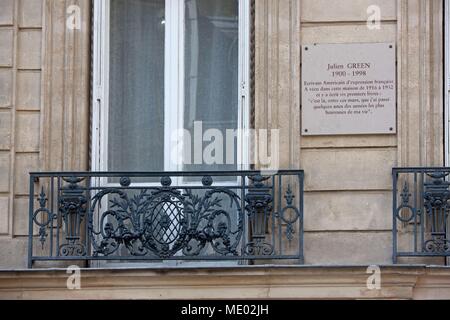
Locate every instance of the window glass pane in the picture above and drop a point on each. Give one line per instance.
(136, 92)
(211, 72)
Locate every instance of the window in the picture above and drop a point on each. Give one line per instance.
(164, 65)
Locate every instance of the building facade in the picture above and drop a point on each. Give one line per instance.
(95, 86)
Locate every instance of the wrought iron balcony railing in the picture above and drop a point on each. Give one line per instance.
(421, 204)
(242, 216)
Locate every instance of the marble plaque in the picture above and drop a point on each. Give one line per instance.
(348, 89)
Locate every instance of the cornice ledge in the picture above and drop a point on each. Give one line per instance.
(259, 281)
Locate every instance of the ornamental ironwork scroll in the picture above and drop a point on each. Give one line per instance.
(421, 212)
(220, 216)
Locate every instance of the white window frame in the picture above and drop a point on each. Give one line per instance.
(447, 82)
(447, 90)
(173, 83)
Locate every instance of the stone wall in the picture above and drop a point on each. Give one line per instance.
(348, 215)
(44, 113)
(20, 120)
(348, 200)
(44, 90)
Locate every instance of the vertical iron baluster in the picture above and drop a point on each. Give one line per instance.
(88, 212)
(415, 212)
(58, 218)
(394, 215)
(279, 220)
(52, 210)
(30, 223)
(301, 225)
(422, 212)
(243, 213)
(274, 213)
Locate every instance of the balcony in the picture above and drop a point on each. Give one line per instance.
(421, 207)
(240, 216)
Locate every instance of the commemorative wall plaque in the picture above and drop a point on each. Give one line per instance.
(348, 89)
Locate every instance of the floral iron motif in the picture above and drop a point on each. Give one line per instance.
(126, 221)
(436, 197)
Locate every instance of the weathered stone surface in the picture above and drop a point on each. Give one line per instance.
(348, 211)
(27, 126)
(351, 33)
(277, 74)
(348, 169)
(420, 54)
(30, 13)
(25, 163)
(348, 248)
(6, 47)
(345, 10)
(14, 253)
(357, 141)
(28, 90)
(66, 86)
(29, 55)
(4, 215)
(7, 12)
(5, 130)
(5, 88)
(5, 162)
(21, 216)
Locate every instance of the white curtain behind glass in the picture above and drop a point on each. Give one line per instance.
(136, 99)
(211, 69)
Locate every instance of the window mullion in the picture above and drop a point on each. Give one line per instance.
(100, 85)
(173, 79)
(244, 83)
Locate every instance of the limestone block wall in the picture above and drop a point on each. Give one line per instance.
(348, 215)
(44, 119)
(348, 203)
(20, 120)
